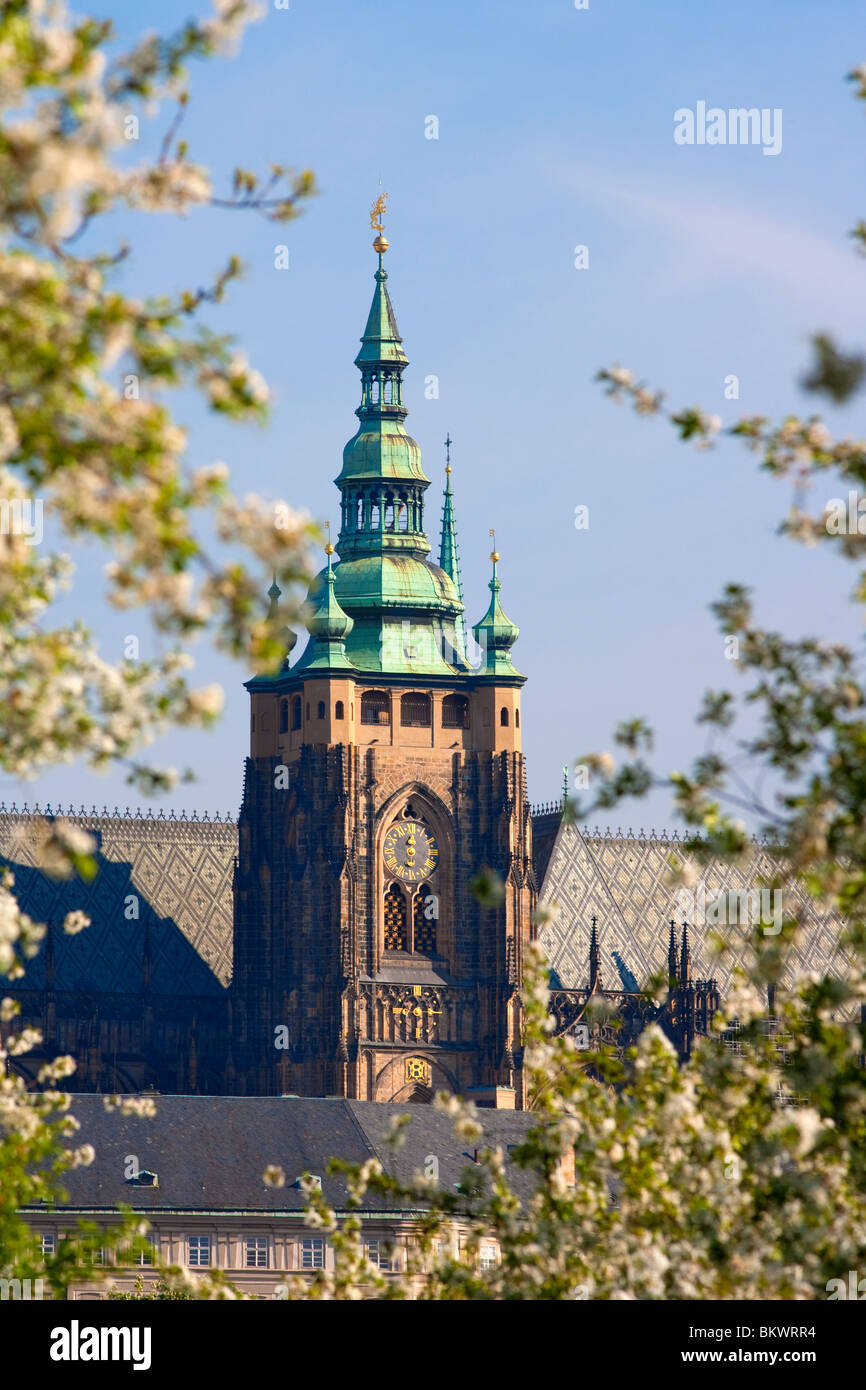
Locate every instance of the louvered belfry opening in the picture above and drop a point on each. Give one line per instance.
(396, 936)
(424, 921)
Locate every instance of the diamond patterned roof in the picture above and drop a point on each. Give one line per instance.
(180, 872)
(622, 880)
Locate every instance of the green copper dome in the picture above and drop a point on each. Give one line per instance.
(386, 609)
(405, 611)
(496, 634)
(405, 615)
(382, 448)
(328, 627)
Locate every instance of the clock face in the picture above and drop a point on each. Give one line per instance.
(410, 852)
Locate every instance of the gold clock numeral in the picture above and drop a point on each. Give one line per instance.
(410, 852)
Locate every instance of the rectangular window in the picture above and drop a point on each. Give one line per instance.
(489, 1256)
(145, 1255)
(199, 1252)
(313, 1253)
(379, 1255)
(97, 1257)
(49, 1243)
(257, 1252)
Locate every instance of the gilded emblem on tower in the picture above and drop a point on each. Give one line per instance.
(377, 212)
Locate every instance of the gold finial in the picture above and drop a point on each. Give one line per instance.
(377, 212)
(329, 549)
(494, 554)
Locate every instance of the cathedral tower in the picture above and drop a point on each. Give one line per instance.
(385, 773)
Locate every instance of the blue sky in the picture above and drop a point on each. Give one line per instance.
(555, 129)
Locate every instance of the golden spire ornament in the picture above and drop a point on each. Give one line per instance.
(377, 212)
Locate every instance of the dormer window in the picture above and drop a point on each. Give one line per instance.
(144, 1179)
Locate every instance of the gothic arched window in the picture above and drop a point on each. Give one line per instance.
(339, 710)
(321, 710)
(415, 710)
(284, 716)
(455, 712)
(503, 717)
(396, 936)
(425, 910)
(296, 712)
(375, 707)
(517, 718)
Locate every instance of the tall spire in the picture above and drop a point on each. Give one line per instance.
(382, 479)
(595, 985)
(449, 559)
(404, 609)
(686, 959)
(449, 555)
(673, 957)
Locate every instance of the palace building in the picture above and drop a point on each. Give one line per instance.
(335, 940)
